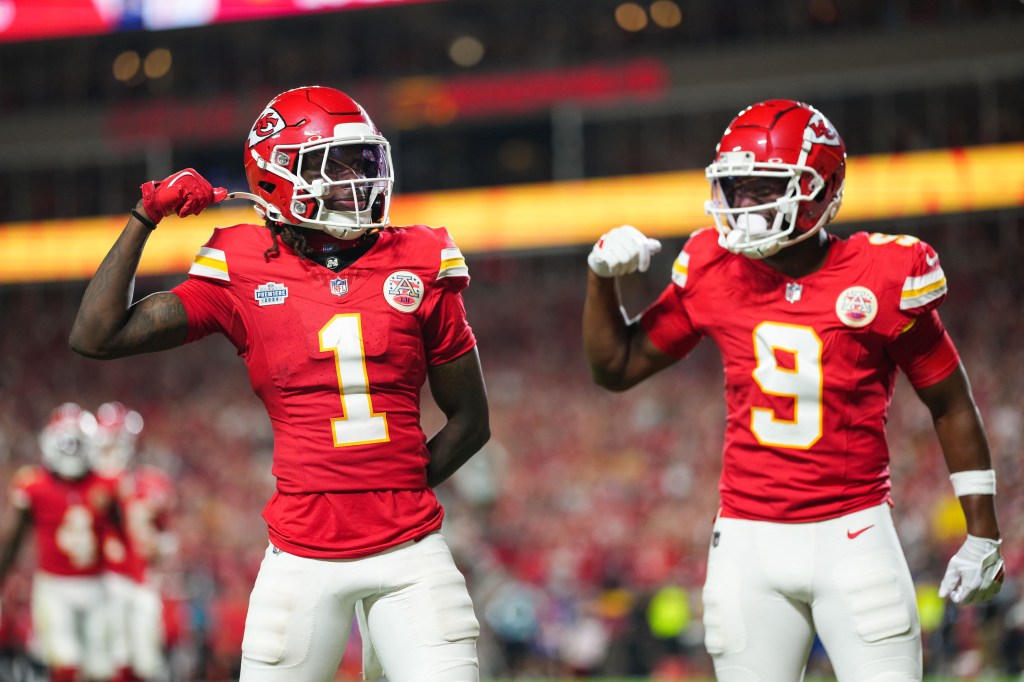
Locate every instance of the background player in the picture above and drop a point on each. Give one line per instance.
(68, 506)
(340, 320)
(145, 498)
(812, 330)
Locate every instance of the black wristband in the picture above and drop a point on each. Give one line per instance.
(143, 219)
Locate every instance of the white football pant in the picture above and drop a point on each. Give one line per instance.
(69, 617)
(418, 616)
(136, 625)
(770, 586)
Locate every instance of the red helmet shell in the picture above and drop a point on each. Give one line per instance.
(292, 121)
(789, 133)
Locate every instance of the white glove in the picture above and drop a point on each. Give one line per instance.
(622, 251)
(975, 573)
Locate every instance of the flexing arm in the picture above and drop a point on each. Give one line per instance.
(619, 351)
(458, 389)
(108, 324)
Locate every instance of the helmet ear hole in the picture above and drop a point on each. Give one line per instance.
(267, 187)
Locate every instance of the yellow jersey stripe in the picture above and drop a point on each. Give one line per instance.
(919, 291)
(452, 264)
(210, 263)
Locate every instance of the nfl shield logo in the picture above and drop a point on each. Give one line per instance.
(794, 291)
(339, 286)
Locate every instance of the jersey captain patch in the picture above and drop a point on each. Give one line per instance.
(857, 307)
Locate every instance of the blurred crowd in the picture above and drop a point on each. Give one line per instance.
(88, 139)
(387, 43)
(583, 526)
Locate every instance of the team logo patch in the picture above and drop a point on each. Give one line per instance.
(819, 130)
(271, 293)
(339, 286)
(269, 123)
(403, 291)
(857, 307)
(332, 262)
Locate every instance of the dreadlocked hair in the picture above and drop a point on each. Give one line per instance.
(288, 234)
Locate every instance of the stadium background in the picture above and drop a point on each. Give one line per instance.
(527, 128)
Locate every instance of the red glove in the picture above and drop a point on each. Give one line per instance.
(185, 193)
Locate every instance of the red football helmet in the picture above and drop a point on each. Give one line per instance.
(315, 159)
(117, 429)
(784, 140)
(66, 441)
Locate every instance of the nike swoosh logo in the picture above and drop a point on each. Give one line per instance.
(931, 260)
(854, 533)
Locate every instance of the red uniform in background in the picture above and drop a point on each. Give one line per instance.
(70, 509)
(145, 498)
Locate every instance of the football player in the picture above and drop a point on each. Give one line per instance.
(812, 330)
(145, 496)
(68, 506)
(340, 319)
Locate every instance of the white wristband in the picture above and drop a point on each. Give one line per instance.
(977, 482)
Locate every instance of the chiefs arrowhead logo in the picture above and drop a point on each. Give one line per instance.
(819, 130)
(269, 123)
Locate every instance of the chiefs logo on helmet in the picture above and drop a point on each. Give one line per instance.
(268, 123)
(822, 130)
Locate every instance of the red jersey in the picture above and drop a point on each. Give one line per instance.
(145, 496)
(339, 360)
(810, 365)
(68, 516)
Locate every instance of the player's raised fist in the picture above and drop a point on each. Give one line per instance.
(184, 193)
(622, 251)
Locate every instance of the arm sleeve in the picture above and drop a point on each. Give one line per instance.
(924, 351)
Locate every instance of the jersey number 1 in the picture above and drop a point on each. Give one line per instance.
(343, 336)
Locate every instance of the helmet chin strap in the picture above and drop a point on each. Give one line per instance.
(269, 210)
(247, 196)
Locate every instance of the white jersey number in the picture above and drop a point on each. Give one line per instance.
(343, 336)
(76, 537)
(798, 377)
